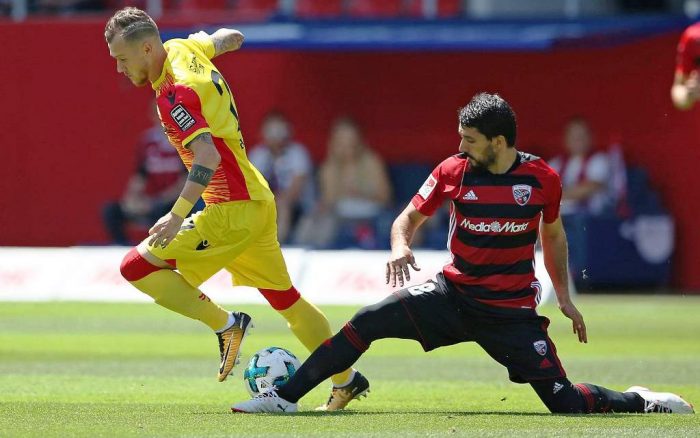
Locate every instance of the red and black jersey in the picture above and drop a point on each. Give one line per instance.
(494, 224)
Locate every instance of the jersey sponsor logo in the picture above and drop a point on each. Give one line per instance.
(428, 187)
(540, 347)
(470, 196)
(181, 117)
(522, 193)
(494, 227)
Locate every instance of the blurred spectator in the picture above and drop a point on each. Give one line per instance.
(288, 169)
(151, 190)
(585, 175)
(355, 190)
(686, 81)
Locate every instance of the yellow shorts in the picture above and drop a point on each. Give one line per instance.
(239, 236)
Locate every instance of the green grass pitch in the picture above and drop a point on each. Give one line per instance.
(90, 369)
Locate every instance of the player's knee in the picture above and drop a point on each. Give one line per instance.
(365, 316)
(364, 323)
(134, 267)
(281, 299)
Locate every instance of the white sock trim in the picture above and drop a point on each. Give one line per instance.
(231, 321)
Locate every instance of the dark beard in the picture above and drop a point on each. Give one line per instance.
(479, 170)
(482, 166)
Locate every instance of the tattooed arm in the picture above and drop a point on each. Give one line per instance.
(206, 160)
(226, 40)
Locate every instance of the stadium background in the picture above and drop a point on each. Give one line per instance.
(69, 122)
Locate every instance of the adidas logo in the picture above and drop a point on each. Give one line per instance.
(557, 387)
(470, 196)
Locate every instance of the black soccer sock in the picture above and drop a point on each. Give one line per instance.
(563, 397)
(386, 319)
(333, 356)
(560, 396)
(599, 399)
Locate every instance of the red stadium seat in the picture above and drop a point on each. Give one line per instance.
(203, 5)
(445, 8)
(319, 8)
(376, 9)
(245, 10)
(255, 9)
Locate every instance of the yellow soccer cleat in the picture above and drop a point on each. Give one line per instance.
(230, 342)
(340, 397)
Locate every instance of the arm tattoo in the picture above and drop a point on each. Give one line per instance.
(200, 174)
(204, 136)
(227, 42)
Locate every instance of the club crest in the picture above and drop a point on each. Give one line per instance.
(522, 193)
(540, 347)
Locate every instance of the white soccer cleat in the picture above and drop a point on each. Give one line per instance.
(662, 402)
(267, 401)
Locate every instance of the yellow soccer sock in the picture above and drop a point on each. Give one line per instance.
(172, 291)
(311, 327)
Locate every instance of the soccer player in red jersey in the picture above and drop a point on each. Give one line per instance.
(686, 82)
(501, 201)
(237, 229)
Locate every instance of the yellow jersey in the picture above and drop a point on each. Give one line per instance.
(193, 98)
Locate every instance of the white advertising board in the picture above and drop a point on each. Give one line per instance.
(323, 277)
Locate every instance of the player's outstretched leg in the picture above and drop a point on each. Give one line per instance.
(563, 397)
(172, 291)
(662, 402)
(311, 327)
(387, 319)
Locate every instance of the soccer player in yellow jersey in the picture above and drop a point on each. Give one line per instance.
(237, 229)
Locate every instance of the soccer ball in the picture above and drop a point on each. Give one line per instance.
(269, 367)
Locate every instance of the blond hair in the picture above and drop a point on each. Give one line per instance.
(132, 24)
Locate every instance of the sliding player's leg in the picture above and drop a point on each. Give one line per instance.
(562, 396)
(424, 313)
(524, 347)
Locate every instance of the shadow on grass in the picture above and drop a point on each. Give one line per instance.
(447, 414)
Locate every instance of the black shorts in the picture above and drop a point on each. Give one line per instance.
(516, 338)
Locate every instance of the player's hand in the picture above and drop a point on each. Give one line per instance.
(165, 230)
(571, 312)
(397, 266)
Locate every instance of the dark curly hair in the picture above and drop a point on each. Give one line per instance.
(491, 116)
